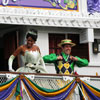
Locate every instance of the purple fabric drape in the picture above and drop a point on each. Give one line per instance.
(93, 6)
(37, 96)
(90, 94)
(8, 91)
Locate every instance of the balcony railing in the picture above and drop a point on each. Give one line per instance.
(27, 86)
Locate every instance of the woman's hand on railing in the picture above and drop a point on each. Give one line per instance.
(11, 70)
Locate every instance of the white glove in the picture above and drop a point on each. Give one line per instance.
(43, 64)
(10, 61)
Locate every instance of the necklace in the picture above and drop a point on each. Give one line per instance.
(66, 58)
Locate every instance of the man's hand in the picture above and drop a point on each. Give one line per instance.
(59, 58)
(73, 58)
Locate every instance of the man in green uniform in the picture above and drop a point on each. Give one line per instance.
(64, 62)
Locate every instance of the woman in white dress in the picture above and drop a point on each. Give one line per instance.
(31, 56)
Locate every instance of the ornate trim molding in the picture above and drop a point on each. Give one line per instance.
(40, 17)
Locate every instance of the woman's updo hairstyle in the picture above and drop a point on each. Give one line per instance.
(32, 33)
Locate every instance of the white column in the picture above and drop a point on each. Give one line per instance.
(83, 6)
(43, 42)
(90, 34)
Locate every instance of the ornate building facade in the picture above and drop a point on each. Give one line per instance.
(54, 20)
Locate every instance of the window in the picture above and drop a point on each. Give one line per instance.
(54, 39)
(80, 50)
